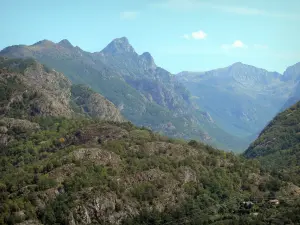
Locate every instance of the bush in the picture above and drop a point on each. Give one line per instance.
(145, 192)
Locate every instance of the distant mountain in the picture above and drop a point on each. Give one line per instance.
(241, 98)
(277, 146)
(146, 94)
(292, 75)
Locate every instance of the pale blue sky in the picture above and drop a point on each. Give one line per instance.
(181, 35)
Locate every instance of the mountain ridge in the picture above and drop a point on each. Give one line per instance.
(246, 97)
(147, 94)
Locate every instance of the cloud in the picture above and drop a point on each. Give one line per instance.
(128, 15)
(238, 44)
(184, 5)
(197, 35)
(235, 44)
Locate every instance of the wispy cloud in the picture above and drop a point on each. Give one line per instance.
(235, 44)
(129, 15)
(233, 9)
(197, 35)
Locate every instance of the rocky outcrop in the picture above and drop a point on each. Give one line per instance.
(94, 104)
(31, 89)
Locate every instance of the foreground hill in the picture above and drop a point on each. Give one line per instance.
(277, 147)
(245, 98)
(28, 89)
(146, 94)
(88, 172)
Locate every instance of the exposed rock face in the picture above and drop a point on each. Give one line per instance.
(117, 46)
(55, 88)
(31, 89)
(94, 104)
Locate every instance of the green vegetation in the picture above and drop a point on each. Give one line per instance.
(58, 170)
(278, 145)
(63, 168)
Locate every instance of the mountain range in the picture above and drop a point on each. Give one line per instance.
(146, 94)
(226, 107)
(68, 156)
(241, 98)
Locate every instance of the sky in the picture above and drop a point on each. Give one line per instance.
(181, 35)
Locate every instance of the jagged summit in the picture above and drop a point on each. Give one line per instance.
(118, 45)
(147, 58)
(65, 43)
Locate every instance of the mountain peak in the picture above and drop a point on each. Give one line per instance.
(147, 58)
(237, 64)
(119, 45)
(292, 73)
(44, 43)
(65, 43)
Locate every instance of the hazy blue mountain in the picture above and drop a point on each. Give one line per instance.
(292, 75)
(145, 94)
(241, 98)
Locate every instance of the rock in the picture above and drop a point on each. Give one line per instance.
(3, 130)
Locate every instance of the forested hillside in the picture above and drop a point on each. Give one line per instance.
(76, 166)
(278, 145)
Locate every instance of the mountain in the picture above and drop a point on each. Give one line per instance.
(245, 98)
(277, 147)
(29, 88)
(146, 94)
(68, 157)
(292, 74)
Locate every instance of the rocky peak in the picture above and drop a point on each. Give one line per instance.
(246, 73)
(241, 66)
(148, 60)
(292, 73)
(118, 46)
(65, 43)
